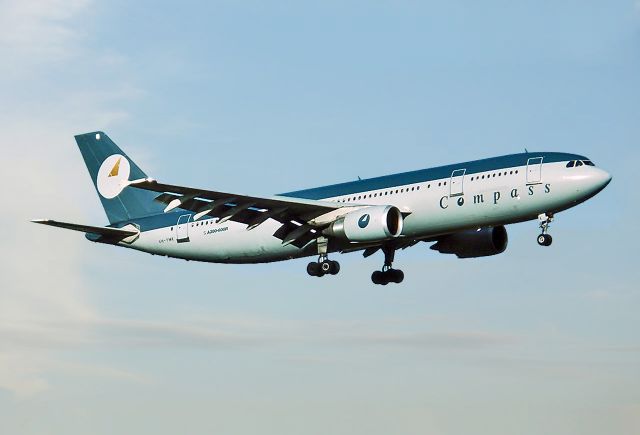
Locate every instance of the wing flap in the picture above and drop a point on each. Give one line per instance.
(241, 208)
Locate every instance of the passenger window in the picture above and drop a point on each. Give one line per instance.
(571, 164)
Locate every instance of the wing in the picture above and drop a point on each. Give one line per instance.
(102, 234)
(301, 219)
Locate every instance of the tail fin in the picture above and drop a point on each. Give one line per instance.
(110, 169)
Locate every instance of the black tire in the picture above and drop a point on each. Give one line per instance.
(335, 268)
(325, 267)
(377, 277)
(548, 240)
(397, 276)
(313, 269)
(542, 239)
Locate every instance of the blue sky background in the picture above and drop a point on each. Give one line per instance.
(266, 97)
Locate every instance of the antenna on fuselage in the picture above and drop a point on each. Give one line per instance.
(526, 150)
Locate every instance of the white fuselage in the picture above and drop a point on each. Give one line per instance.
(433, 208)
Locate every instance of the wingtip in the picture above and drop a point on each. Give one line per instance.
(39, 221)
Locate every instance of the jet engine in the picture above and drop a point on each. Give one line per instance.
(368, 224)
(474, 243)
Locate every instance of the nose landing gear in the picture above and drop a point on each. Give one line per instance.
(545, 239)
(387, 274)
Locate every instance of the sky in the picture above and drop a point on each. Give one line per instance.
(263, 97)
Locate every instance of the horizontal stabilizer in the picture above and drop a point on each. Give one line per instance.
(106, 232)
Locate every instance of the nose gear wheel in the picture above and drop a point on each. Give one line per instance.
(545, 219)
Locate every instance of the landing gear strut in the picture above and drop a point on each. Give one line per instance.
(323, 266)
(387, 274)
(545, 239)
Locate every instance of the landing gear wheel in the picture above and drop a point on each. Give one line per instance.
(313, 269)
(545, 240)
(325, 266)
(377, 277)
(335, 267)
(396, 275)
(387, 276)
(545, 220)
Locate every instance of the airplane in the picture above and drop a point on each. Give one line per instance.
(462, 209)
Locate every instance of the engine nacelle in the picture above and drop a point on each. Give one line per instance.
(474, 243)
(368, 224)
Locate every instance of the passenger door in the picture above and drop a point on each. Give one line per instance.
(182, 228)
(534, 170)
(456, 182)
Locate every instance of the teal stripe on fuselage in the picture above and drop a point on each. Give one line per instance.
(426, 175)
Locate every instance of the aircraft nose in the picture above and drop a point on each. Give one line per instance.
(599, 179)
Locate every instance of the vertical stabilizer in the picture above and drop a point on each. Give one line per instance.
(110, 169)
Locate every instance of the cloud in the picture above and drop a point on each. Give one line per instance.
(45, 304)
(25, 363)
(440, 340)
(125, 332)
(21, 374)
(39, 31)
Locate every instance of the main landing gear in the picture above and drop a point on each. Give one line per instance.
(323, 266)
(545, 239)
(387, 274)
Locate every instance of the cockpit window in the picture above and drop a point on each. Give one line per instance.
(578, 162)
(571, 164)
(588, 162)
